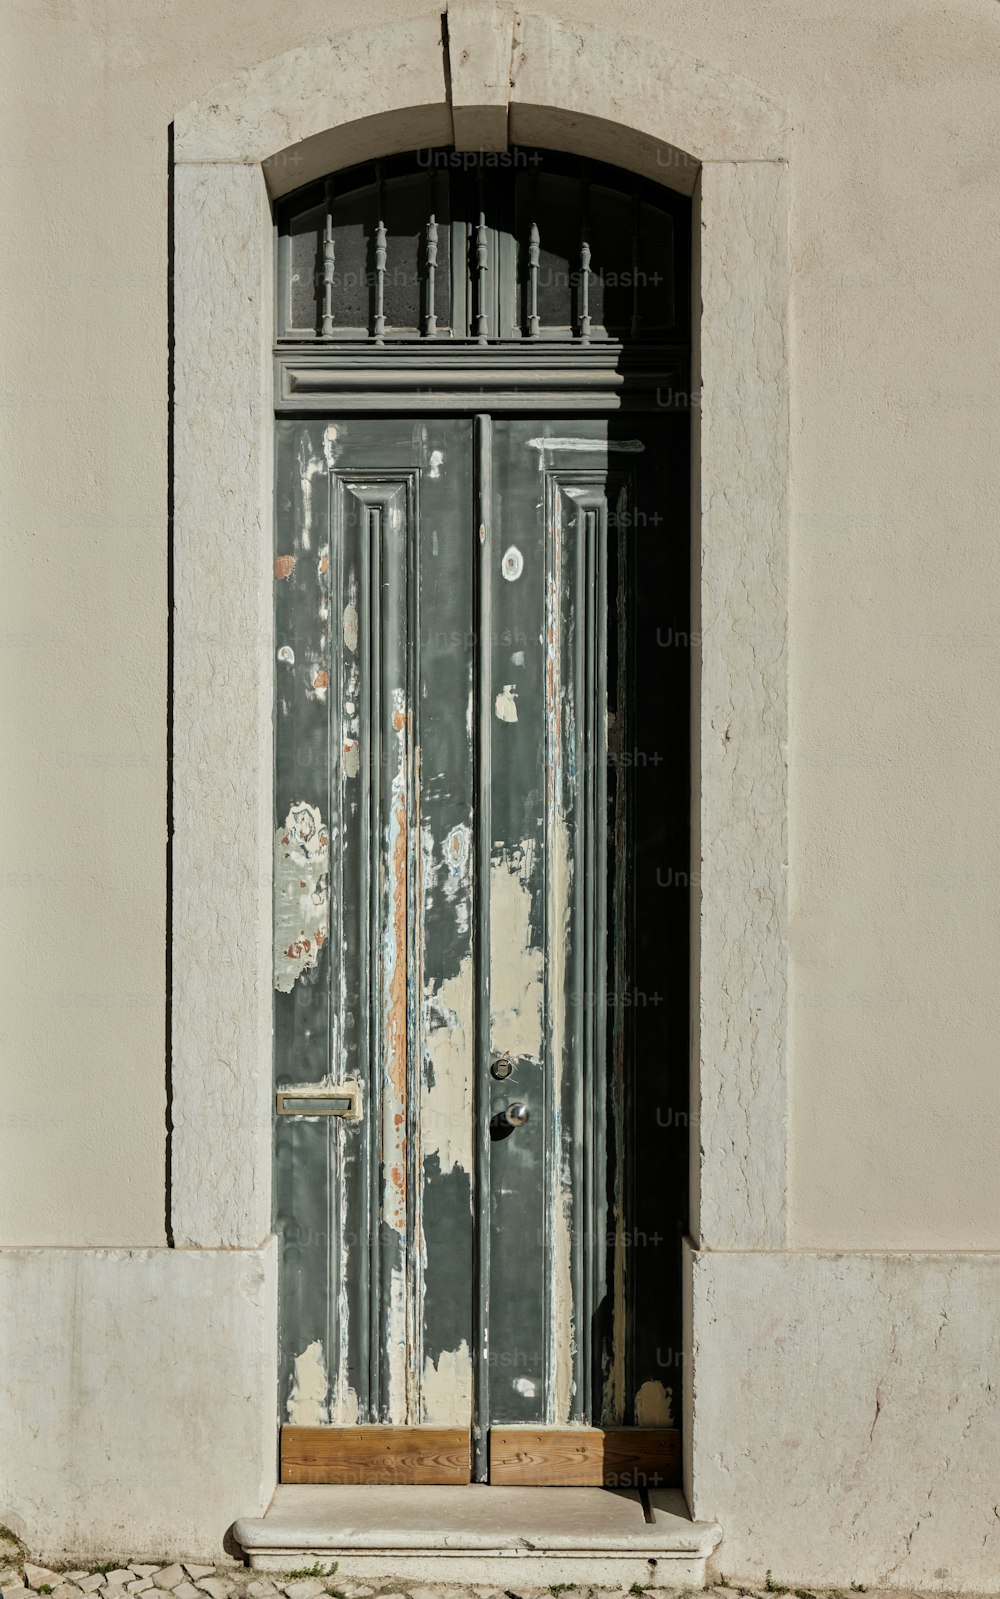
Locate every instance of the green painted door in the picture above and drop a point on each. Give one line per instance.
(455, 1129)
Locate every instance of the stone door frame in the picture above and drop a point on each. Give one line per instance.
(478, 77)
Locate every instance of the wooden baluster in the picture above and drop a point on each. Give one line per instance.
(329, 258)
(430, 328)
(585, 265)
(534, 255)
(482, 259)
(380, 258)
(381, 252)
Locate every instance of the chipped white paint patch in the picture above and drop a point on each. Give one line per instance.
(628, 446)
(287, 654)
(516, 985)
(512, 564)
(351, 626)
(446, 1106)
(318, 680)
(308, 469)
(331, 448)
(563, 1330)
(457, 848)
(525, 1386)
(345, 1406)
(397, 1331)
(654, 1405)
(506, 705)
(352, 757)
(436, 460)
(307, 1406)
(301, 893)
(446, 1390)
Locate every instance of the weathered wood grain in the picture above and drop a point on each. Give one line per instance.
(375, 1454)
(626, 1457)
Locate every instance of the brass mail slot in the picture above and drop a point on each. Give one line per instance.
(343, 1099)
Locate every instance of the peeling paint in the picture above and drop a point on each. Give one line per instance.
(447, 1388)
(458, 861)
(506, 705)
(287, 655)
(446, 1107)
(516, 985)
(284, 566)
(307, 1402)
(393, 1001)
(512, 564)
(397, 1333)
(301, 894)
(331, 449)
(627, 446)
(308, 469)
(352, 758)
(654, 1405)
(351, 626)
(436, 460)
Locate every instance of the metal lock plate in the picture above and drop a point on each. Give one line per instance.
(502, 1067)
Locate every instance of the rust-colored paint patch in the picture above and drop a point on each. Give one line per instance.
(284, 565)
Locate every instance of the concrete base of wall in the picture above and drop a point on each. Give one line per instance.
(843, 1416)
(841, 1411)
(137, 1407)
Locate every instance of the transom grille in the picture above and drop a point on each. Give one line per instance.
(524, 245)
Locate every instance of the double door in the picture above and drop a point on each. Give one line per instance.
(454, 913)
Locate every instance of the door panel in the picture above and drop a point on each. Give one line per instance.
(454, 904)
(372, 893)
(552, 487)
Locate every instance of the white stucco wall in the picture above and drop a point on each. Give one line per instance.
(893, 673)
(138, 1398)
(893, 669)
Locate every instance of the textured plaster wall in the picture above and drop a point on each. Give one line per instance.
(894, 860)
(846, 1416)
(140, 1412)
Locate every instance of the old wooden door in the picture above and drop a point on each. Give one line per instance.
(480, 529)
(452, 899)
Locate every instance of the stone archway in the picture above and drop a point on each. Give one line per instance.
(478, 77)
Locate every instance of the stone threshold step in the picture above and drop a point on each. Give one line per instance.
(476, 1533)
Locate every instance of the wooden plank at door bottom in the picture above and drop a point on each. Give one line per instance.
(585, 1457)
(376, 1454)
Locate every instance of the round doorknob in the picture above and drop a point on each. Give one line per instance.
(517, 1114)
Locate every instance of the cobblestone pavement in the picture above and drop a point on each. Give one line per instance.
(185, 1580)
